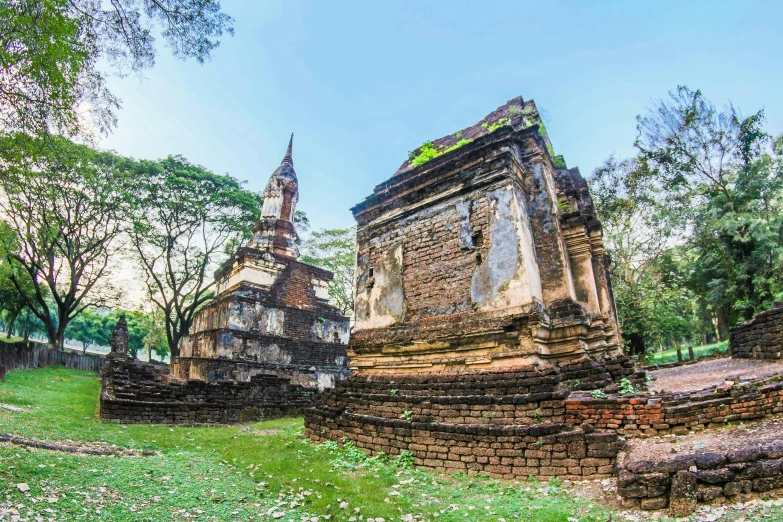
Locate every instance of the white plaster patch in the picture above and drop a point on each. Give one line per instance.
(320, 287)
(384, 303)
(509, 276)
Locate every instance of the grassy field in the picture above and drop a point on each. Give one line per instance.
(263, 471)
(670, 356)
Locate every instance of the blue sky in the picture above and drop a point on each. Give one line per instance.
(362, 83)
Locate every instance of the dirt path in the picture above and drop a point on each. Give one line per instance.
(86, 448)
(702, 375)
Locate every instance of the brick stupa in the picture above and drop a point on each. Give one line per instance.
(489, 255)
(271, 313)
(481, 302)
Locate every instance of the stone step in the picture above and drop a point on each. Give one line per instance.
(678, 472)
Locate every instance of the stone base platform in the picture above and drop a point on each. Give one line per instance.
(508, 423)
(709, 466)
(135, 392)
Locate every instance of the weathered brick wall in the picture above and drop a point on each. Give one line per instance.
(19, 356)
(530, 397)
(502, 451)
(682, 480)
(650, 415)
(522, 397)
(136, 392)
(506, 422)
(439, 265)
(759, 338)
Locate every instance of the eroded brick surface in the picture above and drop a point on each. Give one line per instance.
(759, 338)
(482, 302)
(265, 345)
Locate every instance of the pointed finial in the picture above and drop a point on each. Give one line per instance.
(288, 154)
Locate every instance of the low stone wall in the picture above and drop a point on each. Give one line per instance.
(506, 422)
(214, 370)
(137, 392)
(656, 414)
(548, 450)
(517, 397)
(681, 481)
(20, 356)
(759, 338)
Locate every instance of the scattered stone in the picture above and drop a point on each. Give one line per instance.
(684, 494)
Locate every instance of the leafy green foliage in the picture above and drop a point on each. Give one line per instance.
(64, 205)
(716, 168)
(492, 127)
(429, 152)
(51, 50)
(16, 288)
(559, 161)
(183, 220)
(90, 327)
(626, 387)
(335, 251)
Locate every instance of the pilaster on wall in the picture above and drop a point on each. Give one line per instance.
(554, 268)
(580, 254)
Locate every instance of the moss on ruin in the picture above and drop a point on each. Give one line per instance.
(428, 152)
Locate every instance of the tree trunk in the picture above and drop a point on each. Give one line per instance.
(690, 352)
(11, 326)
(60, 337)
(679, 354)
(715, 327)
(26, 330)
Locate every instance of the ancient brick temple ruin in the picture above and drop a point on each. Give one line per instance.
(482, 301)
(487, 256)
(137, 392)
(271, 312)
(265, 345)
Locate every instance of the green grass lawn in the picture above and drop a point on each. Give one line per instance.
(670, 356)
(263, 471)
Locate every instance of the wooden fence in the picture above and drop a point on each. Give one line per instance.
(19, 356)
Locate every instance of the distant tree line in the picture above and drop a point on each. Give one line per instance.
(693, 222)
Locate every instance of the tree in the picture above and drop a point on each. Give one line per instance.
(13, 299)
(64, 206)
(185, 219)
(89, 328)
(50, 51)
(639, 233)
(715, 166)
(334, 250)
(155, 339)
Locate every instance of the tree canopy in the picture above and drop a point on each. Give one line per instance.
(694, 223)
(50, 79)
(334, 250)
(64, 206)
(185, 218)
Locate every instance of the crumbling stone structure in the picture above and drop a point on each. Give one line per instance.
(759, 338)
(135, 392)
(482, 302)
(489, 255)
(271, 313)
(680, 480)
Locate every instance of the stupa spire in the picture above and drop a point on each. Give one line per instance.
(288, 158)
(275, 230)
